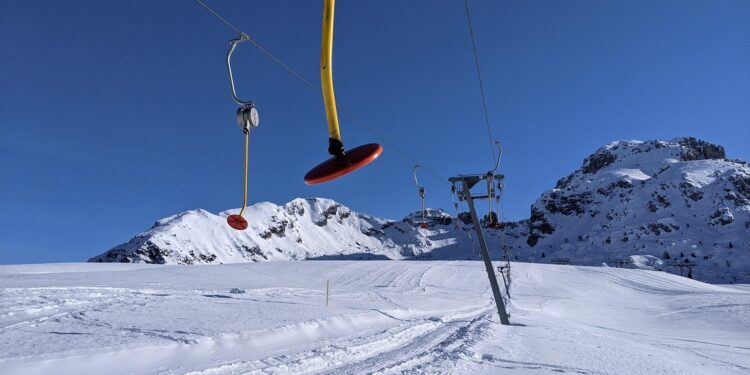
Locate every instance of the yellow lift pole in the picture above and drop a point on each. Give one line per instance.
(326, 73)
(343, 161)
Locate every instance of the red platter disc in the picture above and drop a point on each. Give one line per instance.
(333, 168)
(237, 222)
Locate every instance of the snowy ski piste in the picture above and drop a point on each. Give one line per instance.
(385, 317)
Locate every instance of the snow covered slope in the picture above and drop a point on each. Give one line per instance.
(383, 317)
(678, 206)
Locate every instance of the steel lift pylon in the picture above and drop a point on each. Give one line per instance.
(466, 182)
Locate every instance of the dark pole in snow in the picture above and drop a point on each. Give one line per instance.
(466, 183)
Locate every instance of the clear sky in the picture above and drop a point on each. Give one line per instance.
(116, 113)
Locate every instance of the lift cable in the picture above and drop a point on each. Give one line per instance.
(479, 76)
(298, 76)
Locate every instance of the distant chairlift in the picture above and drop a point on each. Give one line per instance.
(492, 219)
(684, 265)
(423, 220)
(504, 269)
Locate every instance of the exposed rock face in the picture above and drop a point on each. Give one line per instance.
(633, 198)
(631, 201)
(741, 195)
(539, 226)
(695, 149)
(722, 216)
(597, 161)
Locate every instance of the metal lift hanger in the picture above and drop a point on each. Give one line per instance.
(247, 118)
(423, 221)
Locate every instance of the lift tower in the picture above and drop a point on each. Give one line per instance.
(466, 183)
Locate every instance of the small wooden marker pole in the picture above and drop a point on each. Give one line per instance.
(328, 282)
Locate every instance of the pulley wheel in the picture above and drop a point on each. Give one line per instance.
(237, 222)
(333, 168)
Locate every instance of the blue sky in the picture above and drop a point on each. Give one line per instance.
(115, 114)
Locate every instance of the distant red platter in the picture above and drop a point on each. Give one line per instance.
(333, 168)
(237, 222)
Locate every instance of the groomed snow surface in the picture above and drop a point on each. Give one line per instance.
(383, 317)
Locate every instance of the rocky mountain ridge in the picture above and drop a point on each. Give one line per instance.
(678, 205)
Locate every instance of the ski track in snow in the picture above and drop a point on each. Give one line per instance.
(385, 317)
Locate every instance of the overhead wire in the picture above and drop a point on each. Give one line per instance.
(495, 159)
(307, 83)
(479, 76)
(222, 19)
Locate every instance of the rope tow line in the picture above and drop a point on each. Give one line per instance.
(479, 77)
(318, 90)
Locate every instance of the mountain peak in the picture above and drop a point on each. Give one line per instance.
(639, 160)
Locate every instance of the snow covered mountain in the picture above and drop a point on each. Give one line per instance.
(314, 228)
(677, 205)
(661, 204)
